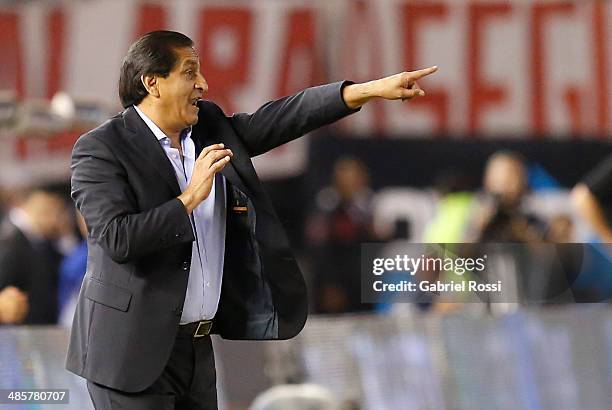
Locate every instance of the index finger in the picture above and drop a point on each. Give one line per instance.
(415, 75)
(209, 148)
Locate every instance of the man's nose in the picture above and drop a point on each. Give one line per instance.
(201, 83)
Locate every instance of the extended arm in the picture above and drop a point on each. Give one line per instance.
(288, 118)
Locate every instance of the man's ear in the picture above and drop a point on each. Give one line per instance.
(150, 84)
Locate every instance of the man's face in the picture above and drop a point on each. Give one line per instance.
(48, 214)
(505, 177)
(180, 91)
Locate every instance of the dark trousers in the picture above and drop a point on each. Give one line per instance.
(188, 382)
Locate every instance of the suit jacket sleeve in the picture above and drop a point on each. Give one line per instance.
(102, 193)
(288, 118)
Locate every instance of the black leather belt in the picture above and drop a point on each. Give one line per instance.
(197, 329)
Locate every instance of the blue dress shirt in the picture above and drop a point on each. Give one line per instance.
(208, 223)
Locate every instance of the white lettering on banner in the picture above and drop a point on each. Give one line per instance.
(507, 67)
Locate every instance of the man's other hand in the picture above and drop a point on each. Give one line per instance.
(212, 159)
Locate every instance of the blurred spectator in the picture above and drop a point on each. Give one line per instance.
(500, 217)
(592, 198)
(13, 305)
(341, 222)
(71, 272)
(29, 258)
(453, 210)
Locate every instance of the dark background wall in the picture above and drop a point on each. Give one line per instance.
(417, 163)
(422, 163)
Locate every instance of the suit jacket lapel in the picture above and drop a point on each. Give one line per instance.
(149, 148)
(232, 176)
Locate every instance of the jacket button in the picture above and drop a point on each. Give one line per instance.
(185, 265)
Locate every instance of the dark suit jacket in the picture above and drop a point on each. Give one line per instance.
(32, 267)
(140, 239)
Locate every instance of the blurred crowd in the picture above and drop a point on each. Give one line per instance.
(43, 248)
(517, 204)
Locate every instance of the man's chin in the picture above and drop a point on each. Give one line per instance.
(192, 119)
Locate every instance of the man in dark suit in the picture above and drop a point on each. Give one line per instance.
(183, 241)
(29, 260)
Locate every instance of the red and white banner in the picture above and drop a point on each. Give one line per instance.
(507, 67)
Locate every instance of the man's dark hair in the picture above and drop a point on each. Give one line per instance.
(152, 54)
(59, 189)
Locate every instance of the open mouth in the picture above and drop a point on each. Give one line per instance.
(195, 101)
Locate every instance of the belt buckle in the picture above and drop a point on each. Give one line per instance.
(204, 326)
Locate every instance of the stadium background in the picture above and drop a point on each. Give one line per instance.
(532, 76)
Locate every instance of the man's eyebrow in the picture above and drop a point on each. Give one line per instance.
(190, 63)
